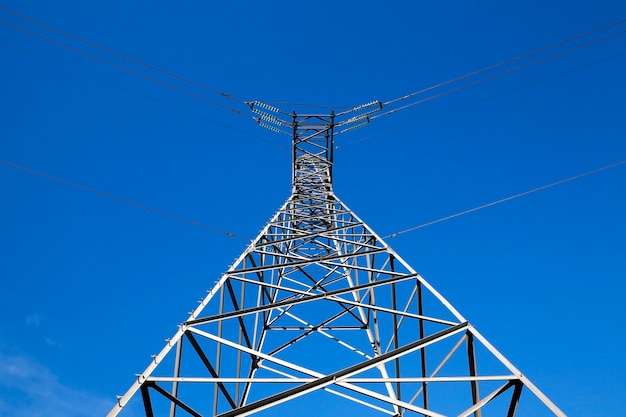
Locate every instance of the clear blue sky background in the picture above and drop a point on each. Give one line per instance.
(91, 286)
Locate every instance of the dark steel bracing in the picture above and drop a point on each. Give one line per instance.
(320, 310)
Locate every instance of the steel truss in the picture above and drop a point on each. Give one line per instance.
(320, 310)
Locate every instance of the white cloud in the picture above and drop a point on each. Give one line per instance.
(52, 343)
(33, 320)
(29, 389)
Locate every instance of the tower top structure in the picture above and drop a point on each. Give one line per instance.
(312, 151)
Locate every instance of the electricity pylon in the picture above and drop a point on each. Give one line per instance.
(319, 316)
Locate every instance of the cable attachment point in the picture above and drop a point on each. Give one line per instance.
(364, 121)
(364, 111)
(266, 118)
(256, 104)
(268, 126)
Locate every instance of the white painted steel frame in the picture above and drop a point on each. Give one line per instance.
(317, 282)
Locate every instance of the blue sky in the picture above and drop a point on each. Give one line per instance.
(92, 286)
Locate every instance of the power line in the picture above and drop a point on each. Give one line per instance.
(493, 203)
(508, 61)
(123, 200)
(147, 97)
(223, 94)
(129, 70)
(118, 54)
(491, 77)
(226, 95)
(475, 102)
(480, 71)
(317, 106)
(373, 110)
(123, 68)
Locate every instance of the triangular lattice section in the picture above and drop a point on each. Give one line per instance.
(319, 314)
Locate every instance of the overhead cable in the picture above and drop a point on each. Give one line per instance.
(380, 106)
(493, 203)
(508, 61)
(147, 97)
(485, 69)
(123, 68)
(123, 200)
(291, 103)
(475, 102)
(118, 54)
(497, 75)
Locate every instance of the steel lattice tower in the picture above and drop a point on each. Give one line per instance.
(319, 313)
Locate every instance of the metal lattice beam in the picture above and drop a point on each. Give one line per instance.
(318, 283)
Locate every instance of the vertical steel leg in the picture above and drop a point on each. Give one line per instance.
(471, 357)
(179, 352)
(420, 311)
(218, 354)
(517, 393)
(147, 403)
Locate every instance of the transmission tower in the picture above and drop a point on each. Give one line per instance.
(319, 316)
